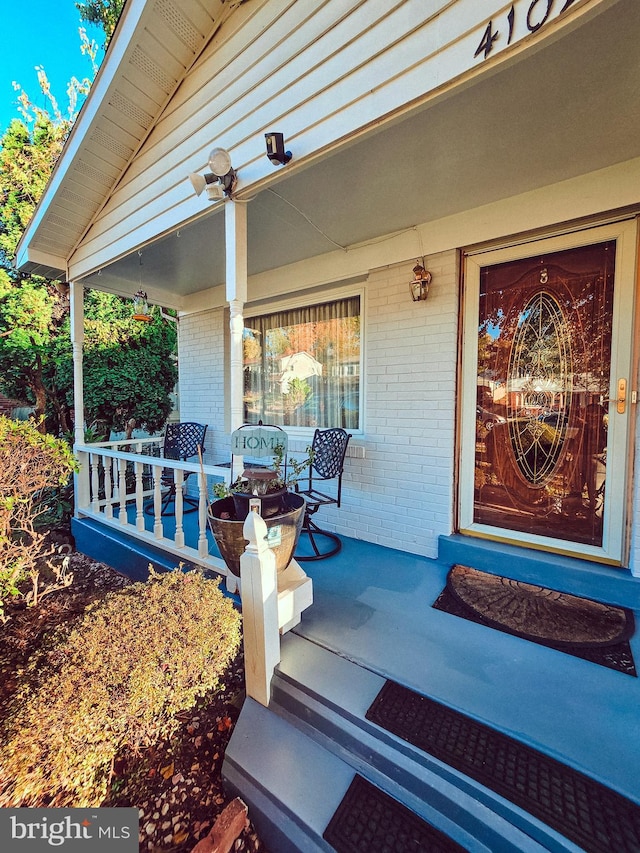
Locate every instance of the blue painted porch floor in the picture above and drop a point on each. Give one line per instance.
(373, 606)
(372, 619)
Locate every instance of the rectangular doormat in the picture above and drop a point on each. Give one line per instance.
(369, 820)
(587, 629)
(596, 818)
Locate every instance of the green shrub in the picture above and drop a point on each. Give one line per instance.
(31, 464)
(118, 679)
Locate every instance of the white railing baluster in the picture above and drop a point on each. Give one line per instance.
(139, 469)
(122, 490)
(178, 479)
(157, 501)
(203, 545)
(109, 502)
(108, 486)
(95, 481)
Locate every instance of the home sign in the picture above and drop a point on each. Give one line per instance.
(258, 441)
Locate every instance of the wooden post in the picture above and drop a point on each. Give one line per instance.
(259, 584)
(236, 293)
(76, 298)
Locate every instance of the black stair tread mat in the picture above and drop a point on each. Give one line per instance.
(597, 818)
(618, 656)
(369, 820)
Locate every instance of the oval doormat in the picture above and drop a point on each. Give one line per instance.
(539, 614)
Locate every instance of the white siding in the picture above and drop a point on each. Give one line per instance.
(324, 72)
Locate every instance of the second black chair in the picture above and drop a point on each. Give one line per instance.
(329, 450)
(181, 441)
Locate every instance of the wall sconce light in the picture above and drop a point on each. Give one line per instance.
(220, 181)
(141, 307)
(419, 286)
(275, 149)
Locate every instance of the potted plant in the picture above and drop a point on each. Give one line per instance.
(268, 492)
(269, 486)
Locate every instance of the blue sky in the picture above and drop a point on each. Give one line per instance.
(40, 32)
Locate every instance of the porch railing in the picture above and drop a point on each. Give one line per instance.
(121, 481)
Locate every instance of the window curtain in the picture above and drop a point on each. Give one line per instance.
(302, 366)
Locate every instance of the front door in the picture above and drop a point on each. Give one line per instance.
(547, 394)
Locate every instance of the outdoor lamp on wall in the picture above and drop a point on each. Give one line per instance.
(419, 286)
(275, 149)
(141, 307)
(220, 181)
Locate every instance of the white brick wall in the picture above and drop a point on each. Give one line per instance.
(202, 365)
(401, 493)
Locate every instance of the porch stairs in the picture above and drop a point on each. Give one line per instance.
(293, 762)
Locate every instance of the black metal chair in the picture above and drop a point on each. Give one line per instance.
(329, 450)
(181, 441)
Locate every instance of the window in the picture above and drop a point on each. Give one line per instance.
(302, 366)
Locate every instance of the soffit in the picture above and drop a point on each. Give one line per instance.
(154, 45)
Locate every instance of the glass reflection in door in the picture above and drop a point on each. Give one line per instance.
(544, 353)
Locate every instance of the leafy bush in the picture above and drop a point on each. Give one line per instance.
(129, 367)
(31, 464)
(119, 678)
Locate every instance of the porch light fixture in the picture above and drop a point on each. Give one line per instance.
(419, 285)
(141, 307)
(208, 181)
(275, 149)
(220, 181)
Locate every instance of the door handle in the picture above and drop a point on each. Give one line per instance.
(622, 396)
(621, 399)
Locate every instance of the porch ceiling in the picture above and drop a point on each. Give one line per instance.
(568, 108)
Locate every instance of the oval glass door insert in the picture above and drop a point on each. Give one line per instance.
(539, 385)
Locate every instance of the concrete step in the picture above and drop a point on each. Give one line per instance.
(291, 784)
(293, 762)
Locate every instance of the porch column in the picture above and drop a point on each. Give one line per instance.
(76, 301)
(235, 218)
(76, 298)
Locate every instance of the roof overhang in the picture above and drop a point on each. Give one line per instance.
(564, 108)
(153, 47)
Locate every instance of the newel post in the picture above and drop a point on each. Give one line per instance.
(259, 584)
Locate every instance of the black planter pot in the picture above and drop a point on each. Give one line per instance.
(283, 530)
(273, 503)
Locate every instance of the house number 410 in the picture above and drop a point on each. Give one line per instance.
(537, 15)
